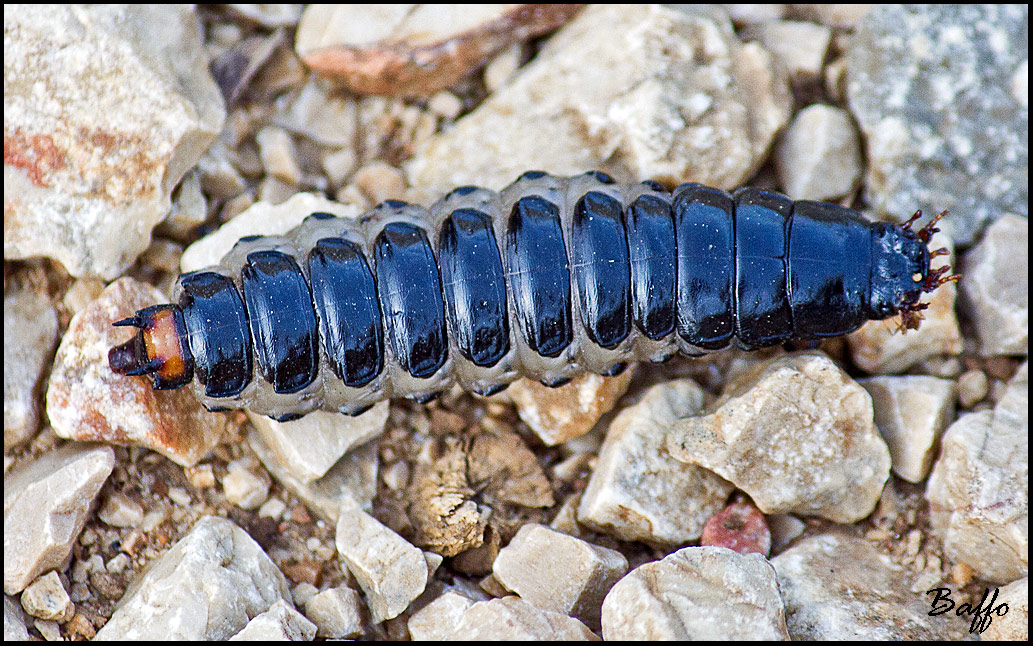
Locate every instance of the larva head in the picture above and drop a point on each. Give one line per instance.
(901, 271)
(159, 348)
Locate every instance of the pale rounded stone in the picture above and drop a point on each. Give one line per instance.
(697, 593)
(637, 491)
(979, 489)
(514, 619)
(243, 486)
(46, 503)
(46, 598)
(30, 332)
(911, 413)
(207, 587)
(105, 108)
(558, 572)
(337, 613)
(797, 435)
(281, 622)
(800, 47)
(439, 618)
(1014, 626)
(819, 155)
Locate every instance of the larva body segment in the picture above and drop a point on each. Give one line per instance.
(548, 278)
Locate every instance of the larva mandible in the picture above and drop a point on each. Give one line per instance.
(581, 274)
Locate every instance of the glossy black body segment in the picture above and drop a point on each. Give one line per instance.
(345, 297)
(653, 256)
(762, 230)
(283, 323)
(829, 261)
(704, 224)
(599, 251)
(474, 284)
(539, 275)
(410, 297)
(217, 331)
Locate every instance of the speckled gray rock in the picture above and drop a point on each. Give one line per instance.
(46, 503)
(637, 491)
(30, 332)
(389, 569)
(979, 489)
(558, 572)
(940, 92)
(514, 619)
(995, 287)
(207, 587)
(819, 155)
(281, 622)
(105, 108)
(838, 588)
(667, 95)
(14, 621)
(796, 434)
(912, 412)
(697, 593)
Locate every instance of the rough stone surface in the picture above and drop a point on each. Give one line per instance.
(880, 347)
(995, 287)
(939, 92)
(281, 622)
(406, 49)
(439, 618)
(14, 621)
(800, 47)
(979, 489)
(105, 108)
(796, 434)
(88, 402)
(637, 491)
(47, 599)
(337, 613)
(207, 587)
(911, 413)
(697, 593)
(46, 503)
(308, 447)
(839, 588)
(30, 332)
(569, 411)
(558, 572)
(390, 570)
(1014, 626)
(739, 527)
(671, 96)
(244, 485)
(819, 155)
(514, 619)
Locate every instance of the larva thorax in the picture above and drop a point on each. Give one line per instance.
(546, 279)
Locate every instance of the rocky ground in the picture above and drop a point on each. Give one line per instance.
(810, 495)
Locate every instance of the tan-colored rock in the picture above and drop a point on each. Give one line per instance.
(569, 411)
(513, 619)
(405, 49)
(796, 434)
(30, 332)
(1014, 626)
(88, 402)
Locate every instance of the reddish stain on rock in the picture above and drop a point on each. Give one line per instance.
(740, 527)
(37, 155)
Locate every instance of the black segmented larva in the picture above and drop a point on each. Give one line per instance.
(548, 278)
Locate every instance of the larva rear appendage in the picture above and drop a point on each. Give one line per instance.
(546, 279)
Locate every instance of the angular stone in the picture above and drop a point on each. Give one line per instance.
(514, 619)
(558, 572)
(819, 155)
(30, 332)
(840, 588)
(439, 618)
(668, 95)
(46, 503)
(281, 622)
(569, 411)
(637, 491)
(979, 489)
(911, 413)
(88, 402)
(800, 47)
(796, 434)
(1014, 626)
(207, 587)
(739, 527)
(105, 108)
(390, 570)
(995, 287)
(46, 598)
(697, 593)
(309, 446)
(938, 93)
(337, 613)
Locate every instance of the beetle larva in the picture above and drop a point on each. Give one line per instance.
(548, 278)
